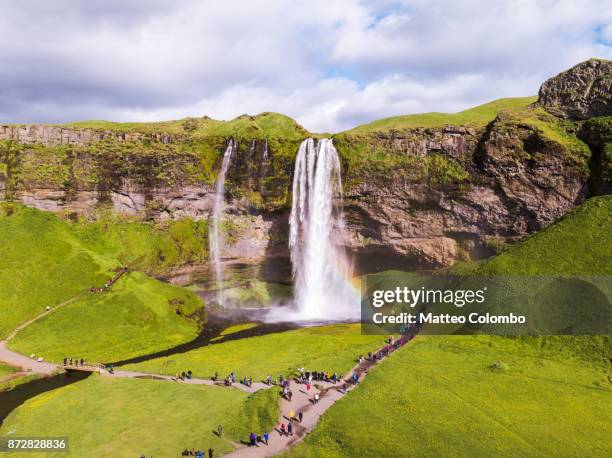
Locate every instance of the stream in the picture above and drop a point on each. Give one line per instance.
(11, 399)
(210, 335)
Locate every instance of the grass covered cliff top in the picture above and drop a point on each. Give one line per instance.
(478, 116)
(261, 126)
(276, 125)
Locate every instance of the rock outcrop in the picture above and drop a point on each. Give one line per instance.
(582, 92)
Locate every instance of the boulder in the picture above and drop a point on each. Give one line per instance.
(582, 92)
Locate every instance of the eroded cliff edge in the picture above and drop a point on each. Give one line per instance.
(419, 191)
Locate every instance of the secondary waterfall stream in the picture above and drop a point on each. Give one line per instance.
(215, 235)
(321, 272)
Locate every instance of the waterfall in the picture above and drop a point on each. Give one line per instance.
(215, 237)
(321, 273)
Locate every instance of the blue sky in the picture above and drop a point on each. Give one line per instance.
(329, 64)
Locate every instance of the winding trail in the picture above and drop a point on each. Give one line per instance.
(193, 381)
(25, 324)
(28, 364)
(38, 317)
(302, 401)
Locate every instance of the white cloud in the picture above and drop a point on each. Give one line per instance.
(335, 104)
(329, 64)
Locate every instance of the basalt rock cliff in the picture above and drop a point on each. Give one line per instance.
(417, 195)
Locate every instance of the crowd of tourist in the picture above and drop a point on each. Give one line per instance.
(198, 453)
(255, 440)
(182, 376)
(317, 376)
(306, 378)
(119, 272)
(74, 362)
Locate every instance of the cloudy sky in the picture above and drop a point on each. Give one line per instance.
(330, 64)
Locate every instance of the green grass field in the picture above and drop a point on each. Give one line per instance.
(470, 396)
(47, 261)
(129, 417)
(42, 263)
(477, 116)
(328, 348)
(136, 317)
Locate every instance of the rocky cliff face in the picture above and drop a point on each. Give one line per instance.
(416, 198)
(597, 133)
(56, 135)
(72, 170)
(517, 182)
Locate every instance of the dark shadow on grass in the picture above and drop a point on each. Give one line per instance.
(211, 335)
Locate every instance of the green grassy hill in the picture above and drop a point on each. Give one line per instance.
(154, 247)
(278, 125)
(580, 243)
(42, 263)
(136, 317)
(47, 262)
(270, 124)
(477, 116)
